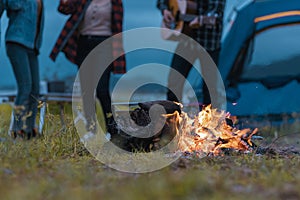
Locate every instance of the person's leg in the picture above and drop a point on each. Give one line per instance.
(35, 89)
(179, 71)
(103, 95)
(18, 57)
(206, 95)
(102, 92)
(85, 46)
(90, 78)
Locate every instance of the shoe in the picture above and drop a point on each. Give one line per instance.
(34, 132)
(111, 127)
(20, 134)
(13, 135)
(87, 137)
(108, 136)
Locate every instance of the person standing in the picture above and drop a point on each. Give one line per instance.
(207, 35)
(23, 39)
(92, 22)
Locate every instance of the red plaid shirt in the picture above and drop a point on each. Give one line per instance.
(67, 40)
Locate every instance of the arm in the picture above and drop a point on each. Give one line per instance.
(10, 5)
(68, 6)
(162, 5)
(215, 9)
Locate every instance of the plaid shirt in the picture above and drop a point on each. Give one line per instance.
(208, 37)
(67, 40)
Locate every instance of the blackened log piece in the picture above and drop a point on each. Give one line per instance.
(141, 117)
(169, 106)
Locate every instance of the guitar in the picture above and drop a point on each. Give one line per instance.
(178, 9)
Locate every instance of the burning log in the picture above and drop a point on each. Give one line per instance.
(210, 132)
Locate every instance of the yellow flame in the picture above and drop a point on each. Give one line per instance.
(208, 133)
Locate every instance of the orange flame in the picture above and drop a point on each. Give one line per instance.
(208, 133)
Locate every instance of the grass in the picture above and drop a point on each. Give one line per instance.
(57, 166)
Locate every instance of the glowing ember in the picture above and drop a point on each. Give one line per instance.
(209, 133)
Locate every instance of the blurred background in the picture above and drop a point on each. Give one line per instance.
(255, 99)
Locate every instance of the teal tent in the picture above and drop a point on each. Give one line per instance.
(263, 44)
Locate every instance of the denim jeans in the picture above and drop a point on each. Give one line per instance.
(25, 66)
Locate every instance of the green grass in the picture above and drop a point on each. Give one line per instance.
(57, 166)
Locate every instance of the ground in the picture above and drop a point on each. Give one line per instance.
(57, 166)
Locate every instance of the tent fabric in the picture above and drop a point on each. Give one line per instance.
(240, 42)
(273, 57)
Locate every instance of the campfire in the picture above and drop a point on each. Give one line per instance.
(209, 132)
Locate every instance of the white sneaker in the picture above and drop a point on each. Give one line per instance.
(87, 137)
(108, 136)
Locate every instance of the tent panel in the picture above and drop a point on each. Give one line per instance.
(244, 28)
(275, 53)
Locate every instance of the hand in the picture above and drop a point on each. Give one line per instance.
(63, 1)
(168, 18)
(195, 23)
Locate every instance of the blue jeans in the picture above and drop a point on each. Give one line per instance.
(25, 66)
